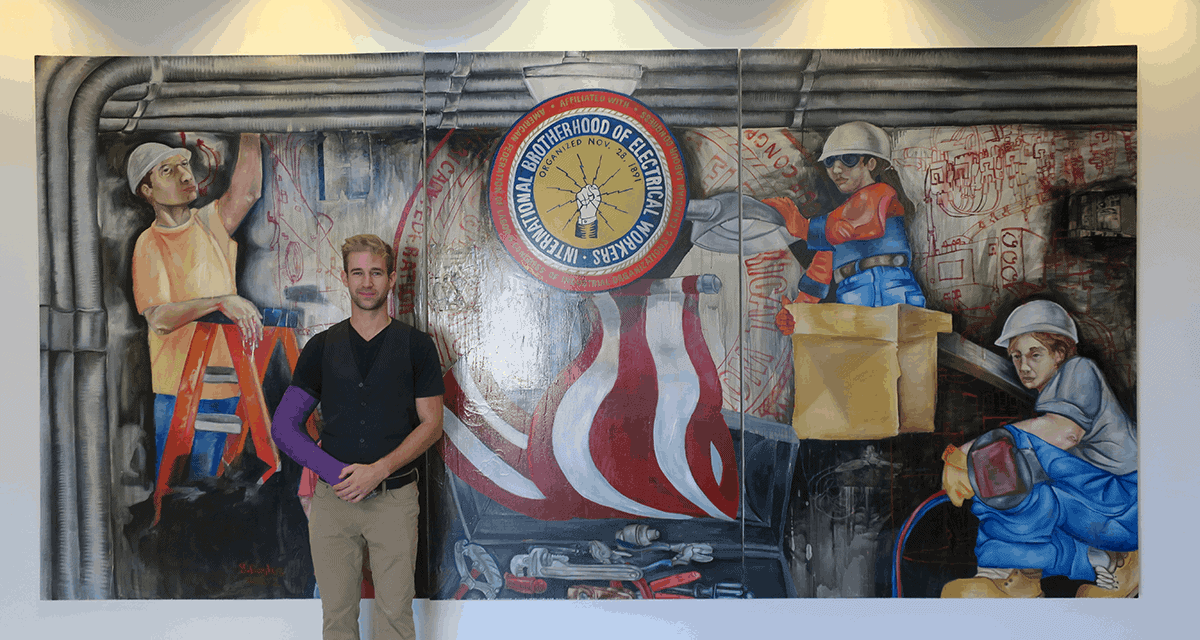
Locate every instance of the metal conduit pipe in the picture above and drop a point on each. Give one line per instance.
(679, 100)
(791, 80)
(198, 68)
(776, 59)
(46, 452)
(341, 70)
(762, 119)
(268, 105)
(966, 117)
(473, 120)
(936, 100)
(492, 63)
(718, 80)
(772, 101)
(664, 60)
(698, 117)
(44, 70)
(970, 81)
(67, 557)
(277, 124)
(92, 452)
(91, 399)
(47, 69)
(892, 80)
(62, 92)
(220, 88)
(437, 63)
(1091, 60)
(517, 101)
(715, 78)
(59, 328)
(511, 83)
(85, 112)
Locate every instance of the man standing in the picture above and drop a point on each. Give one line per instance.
(183, 269)
(379, 382)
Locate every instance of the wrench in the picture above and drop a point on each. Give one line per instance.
(540, 563)
(481, 564)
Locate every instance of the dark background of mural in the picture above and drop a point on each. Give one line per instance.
(827, 512)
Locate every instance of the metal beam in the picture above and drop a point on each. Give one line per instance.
(960, 354)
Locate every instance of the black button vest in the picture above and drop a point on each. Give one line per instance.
(366, 419)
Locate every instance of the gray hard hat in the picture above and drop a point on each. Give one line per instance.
(858, 137)
(1038, 315)
(146, 157)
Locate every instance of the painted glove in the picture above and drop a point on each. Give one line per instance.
(954, 475)
(796, 223)
(783, 318)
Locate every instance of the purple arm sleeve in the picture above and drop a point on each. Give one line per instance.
(291, 438)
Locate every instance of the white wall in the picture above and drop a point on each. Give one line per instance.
(1164, 30)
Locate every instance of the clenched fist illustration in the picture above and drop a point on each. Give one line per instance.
(587, 201)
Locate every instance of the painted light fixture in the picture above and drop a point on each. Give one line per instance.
(576, 72)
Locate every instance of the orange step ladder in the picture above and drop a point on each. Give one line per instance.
(251, 408)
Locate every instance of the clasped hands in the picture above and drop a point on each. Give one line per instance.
(359, 480)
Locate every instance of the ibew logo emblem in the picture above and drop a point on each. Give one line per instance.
(588, 190)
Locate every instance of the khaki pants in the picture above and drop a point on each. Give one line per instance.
(337, 531)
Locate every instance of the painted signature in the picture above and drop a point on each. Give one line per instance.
(250, 569)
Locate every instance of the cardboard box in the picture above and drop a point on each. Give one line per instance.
(864, 373)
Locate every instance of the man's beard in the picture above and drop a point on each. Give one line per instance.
(378, 302)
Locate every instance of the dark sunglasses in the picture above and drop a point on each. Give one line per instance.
(850, 160)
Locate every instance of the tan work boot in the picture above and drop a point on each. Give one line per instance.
(997, 583)
(1121, 578)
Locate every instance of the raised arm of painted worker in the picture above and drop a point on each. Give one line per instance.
(287, 428)
(245, 185)
(360, 479)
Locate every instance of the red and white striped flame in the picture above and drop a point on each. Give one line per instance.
(631, 428)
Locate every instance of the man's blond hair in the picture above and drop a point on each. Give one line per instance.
(372, 244)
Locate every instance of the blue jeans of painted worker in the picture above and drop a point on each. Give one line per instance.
(881, 287)
(1079, 506)
(207, 446)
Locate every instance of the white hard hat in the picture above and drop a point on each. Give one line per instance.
(146, 157)
(858, 137)
(1039, 315)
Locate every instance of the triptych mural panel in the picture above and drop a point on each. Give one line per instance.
(712, 323)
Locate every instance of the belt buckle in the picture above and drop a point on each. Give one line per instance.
(845, 271)
(378, 490)
(381, 488)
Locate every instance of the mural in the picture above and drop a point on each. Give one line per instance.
(713, 324)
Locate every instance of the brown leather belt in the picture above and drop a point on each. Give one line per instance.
(885, 260)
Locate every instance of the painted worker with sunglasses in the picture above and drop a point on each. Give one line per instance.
(862, 248)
